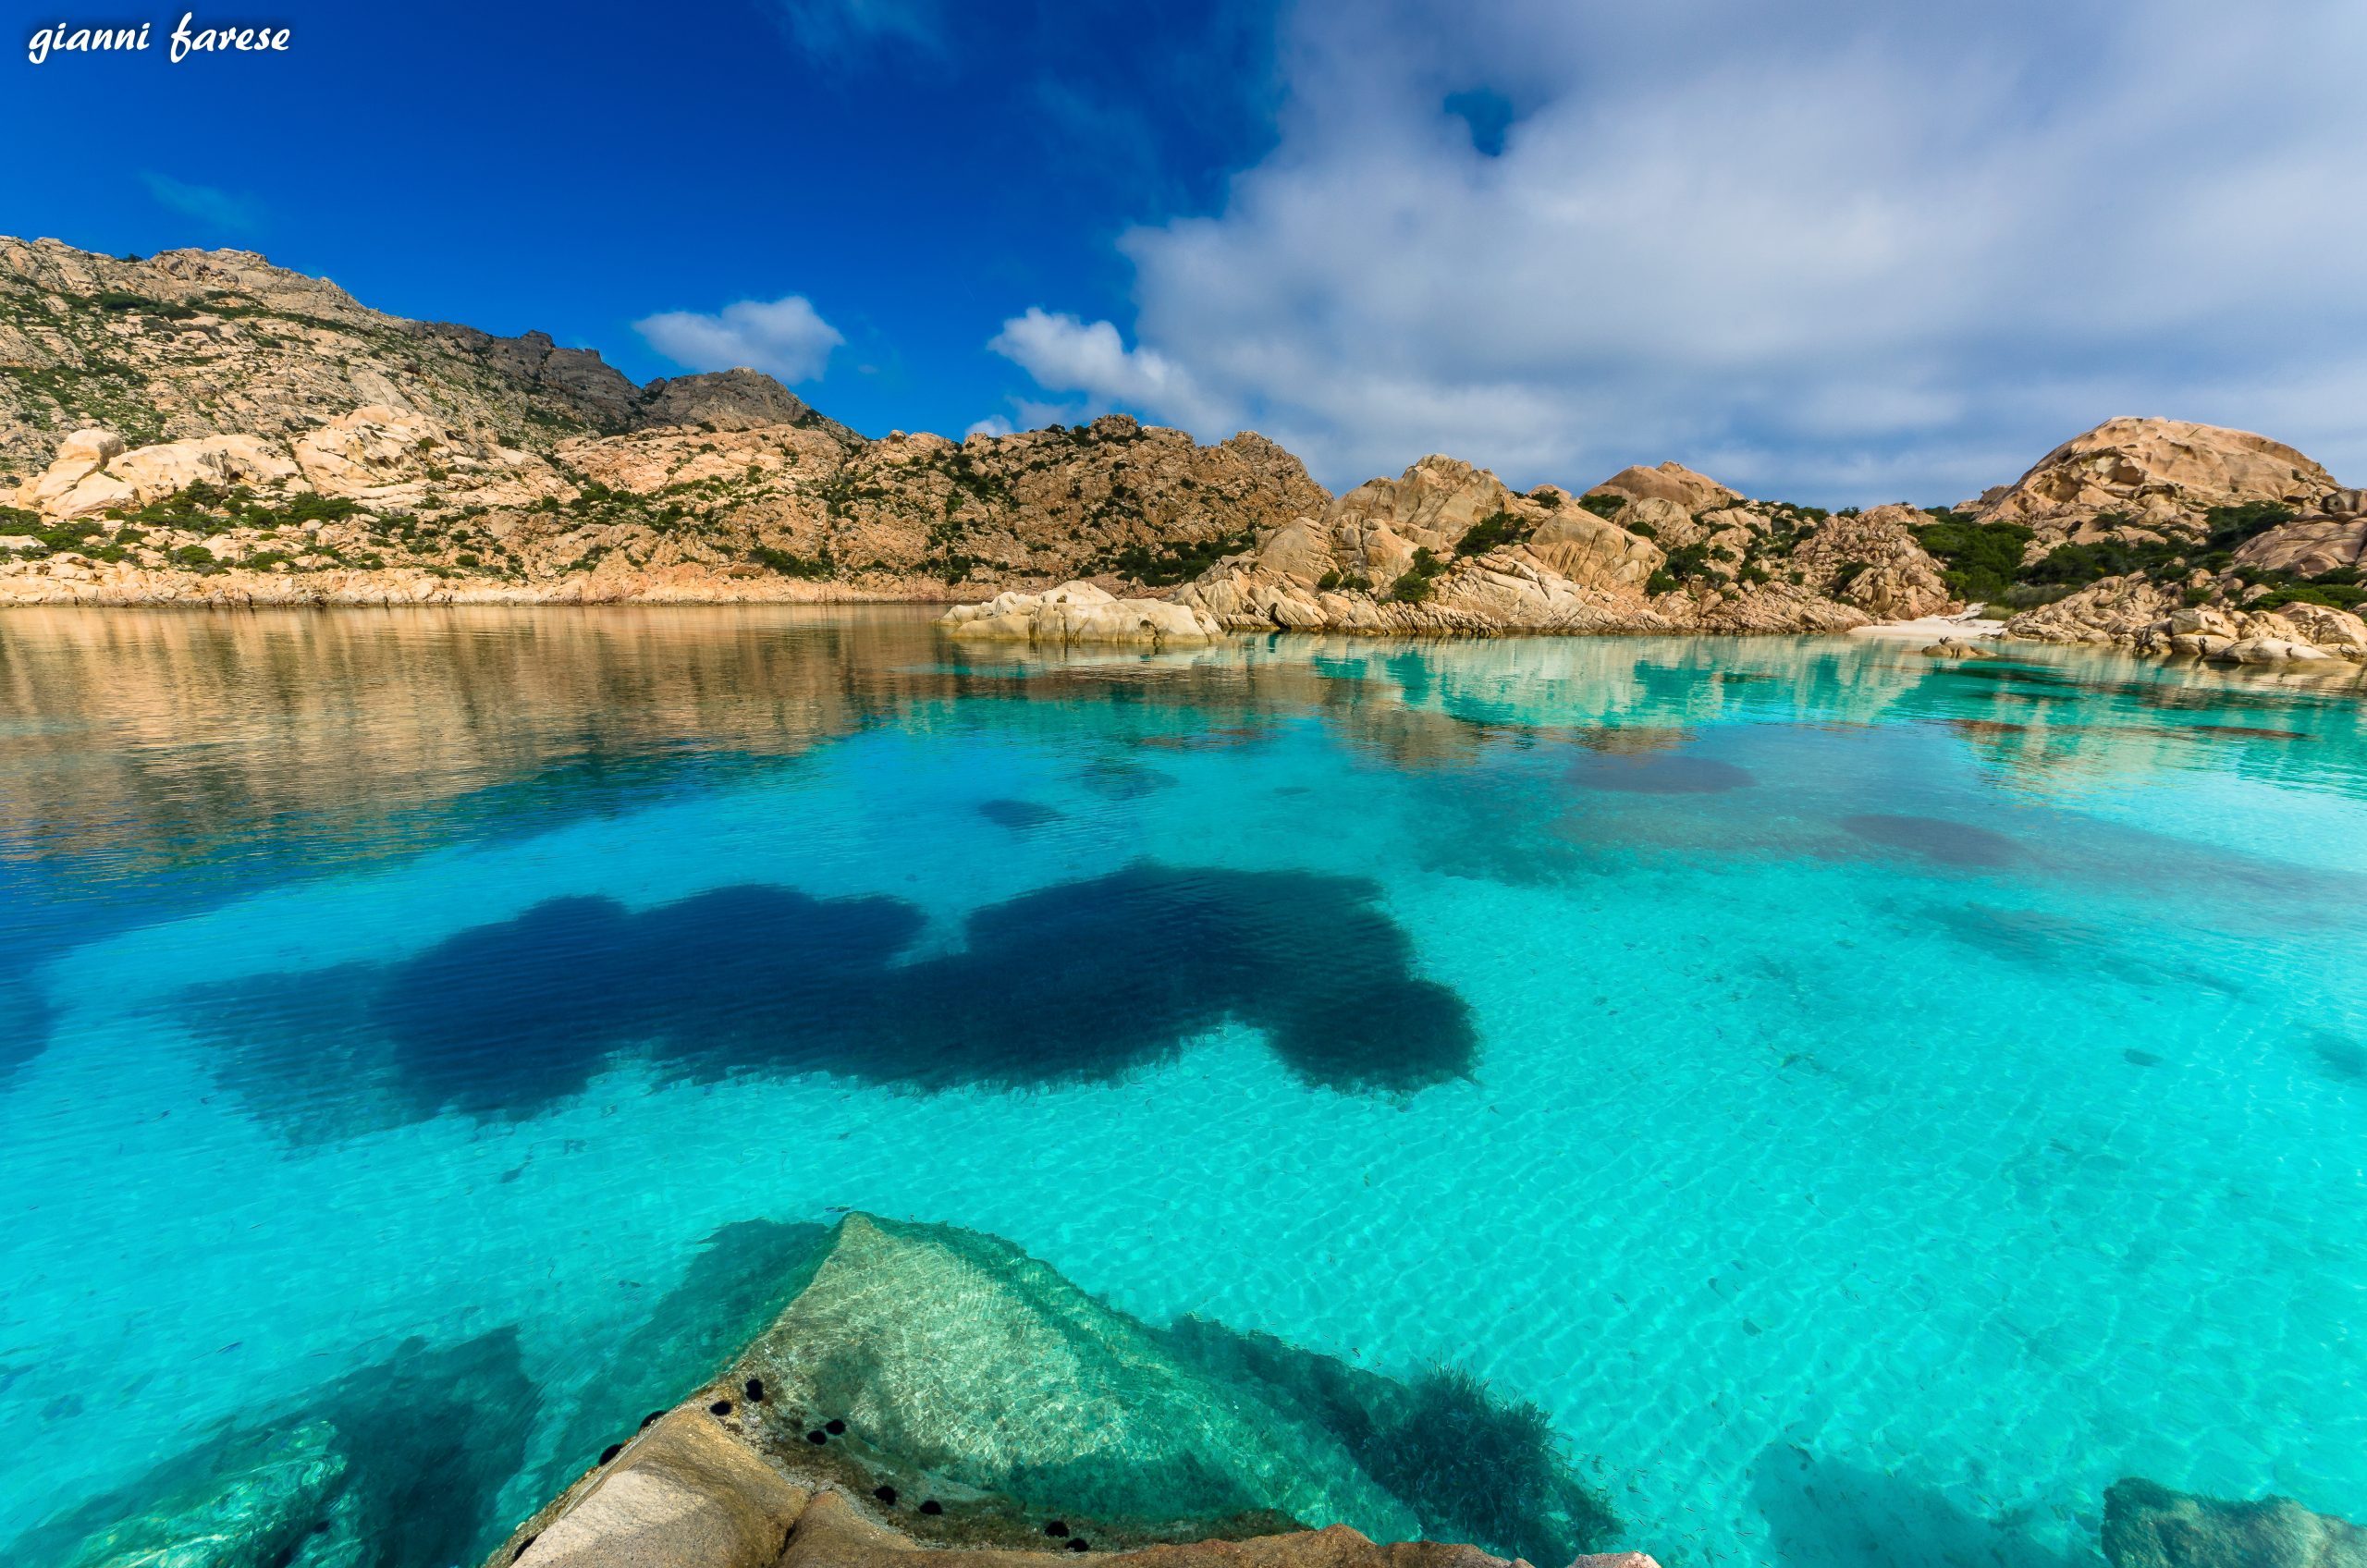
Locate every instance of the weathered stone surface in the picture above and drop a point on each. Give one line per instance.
(682, 1494)
(1873, 563)
(1592, 552)
(1672, 482)
(834, 1533)
(2307, 548)
(1079, 612)
(2159, 471)
(2147, 1526)
(2113, 610)
(2270, 650)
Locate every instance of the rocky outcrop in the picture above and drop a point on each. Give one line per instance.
(94, 473)
(1079, 612)
(2145, 617)
(2158, 473)
(1871, 561)
(933, 1390)
(2312, 549)
(1442, 548)
(1672, 482)
(2148, 1526)
(1447, 548)
(2112, 611)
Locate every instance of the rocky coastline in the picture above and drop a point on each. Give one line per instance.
(204, 429)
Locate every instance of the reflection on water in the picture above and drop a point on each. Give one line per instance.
(143, 739)
(1870, 1103)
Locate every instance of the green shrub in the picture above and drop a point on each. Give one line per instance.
(2230, 526)
(1173, 561)
(1493, 531)
(791, 565)
(2333, 597)
(1604, 505)
(1979, 560)
(2076, 566)
(1413, 585)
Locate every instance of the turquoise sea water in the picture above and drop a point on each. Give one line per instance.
(1872, 1104)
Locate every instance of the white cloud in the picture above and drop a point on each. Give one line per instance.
(1853, 253)
(1069, 355)
(993, 424)
(785, 337)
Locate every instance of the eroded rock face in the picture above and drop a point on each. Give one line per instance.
(2148, 1526)
(2161, 472)
(94, 472)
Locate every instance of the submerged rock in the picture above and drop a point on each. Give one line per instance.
(2148, 1526)
(254, 1500)
(955, 1355)
(969, 1375)
(393, 1466)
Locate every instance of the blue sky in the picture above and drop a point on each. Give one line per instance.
(1832, 251)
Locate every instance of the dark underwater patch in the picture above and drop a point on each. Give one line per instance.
(1823, 1514)
(2342, 1060)
(1648, 773)
(1935, 838)
(1473, 1464)
(1018, 816)
(742, 1277)
(25, 1018)
(1079, 982)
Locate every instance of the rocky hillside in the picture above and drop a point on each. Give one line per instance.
(204, 426)
(1448, 547)
(2171, 537)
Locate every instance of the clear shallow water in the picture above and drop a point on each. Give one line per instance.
(1874, 1106)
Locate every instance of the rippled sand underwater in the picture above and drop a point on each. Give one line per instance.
(1871, 1104)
